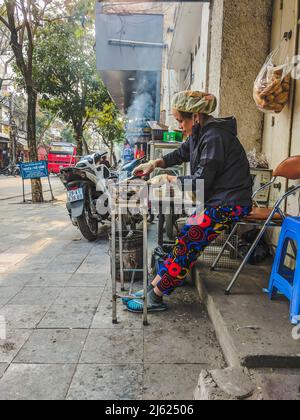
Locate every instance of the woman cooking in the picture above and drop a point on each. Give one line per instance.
(217, 157)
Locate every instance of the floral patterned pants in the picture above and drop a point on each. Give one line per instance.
(199, 232)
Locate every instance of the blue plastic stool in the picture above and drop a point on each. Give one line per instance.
(284, 279)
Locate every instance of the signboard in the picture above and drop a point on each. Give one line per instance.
(34, 170)
(6, 130)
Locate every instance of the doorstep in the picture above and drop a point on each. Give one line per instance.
(253, 331)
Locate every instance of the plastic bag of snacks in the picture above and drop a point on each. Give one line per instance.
(272, 86)
(257, 160)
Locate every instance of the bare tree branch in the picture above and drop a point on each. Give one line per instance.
(27, 19)
(14, 41)
(85, 122)
(4, 22)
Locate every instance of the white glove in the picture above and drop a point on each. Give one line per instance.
(146, 168)
(159, 180)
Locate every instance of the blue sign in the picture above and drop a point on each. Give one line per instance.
(128, 154)
(34, 170)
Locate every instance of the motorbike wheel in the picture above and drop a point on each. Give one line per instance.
(88, 226)
(170, 226)
(151, 218)
(5, 172)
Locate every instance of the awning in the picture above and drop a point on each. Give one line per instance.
(129, 58)
(189, 16)
(23, 142)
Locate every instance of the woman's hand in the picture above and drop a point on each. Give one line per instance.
(160, 180)
(172, 179)
(146, 168)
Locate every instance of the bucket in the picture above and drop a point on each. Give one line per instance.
(132, 254)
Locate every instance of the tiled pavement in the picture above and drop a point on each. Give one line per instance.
(55, 298)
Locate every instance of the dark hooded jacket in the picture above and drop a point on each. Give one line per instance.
(217, 157)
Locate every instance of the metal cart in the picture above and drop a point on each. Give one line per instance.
(157, 151)
(119, 206)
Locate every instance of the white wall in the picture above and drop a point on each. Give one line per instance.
(240, 36)
(174, 75)
(201, 59)
(282, 132)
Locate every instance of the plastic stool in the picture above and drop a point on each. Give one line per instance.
(284, 279)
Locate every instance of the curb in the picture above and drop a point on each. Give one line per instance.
(222, 333)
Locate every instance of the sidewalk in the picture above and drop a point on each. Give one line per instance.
(55, 298)
(11, 187)
(254, 332)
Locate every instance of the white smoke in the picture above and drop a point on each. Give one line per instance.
(143, 106)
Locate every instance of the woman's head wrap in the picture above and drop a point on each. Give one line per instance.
(194, 102)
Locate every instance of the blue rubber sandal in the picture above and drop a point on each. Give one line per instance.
(137, 306)
(136, 295)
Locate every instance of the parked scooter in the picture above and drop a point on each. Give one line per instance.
(86, 183)
(11, 170)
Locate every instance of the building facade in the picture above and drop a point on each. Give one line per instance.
(221, 47)
(13, 130)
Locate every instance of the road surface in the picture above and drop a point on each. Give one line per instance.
(55, 302)
(11, 187)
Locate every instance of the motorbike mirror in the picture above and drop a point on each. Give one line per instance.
(97, 157)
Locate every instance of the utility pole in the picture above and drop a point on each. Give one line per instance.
(12, 124)
(14, 142)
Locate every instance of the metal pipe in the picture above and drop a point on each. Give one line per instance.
(127, 43)
(264, 228)
(121, 248)
(133, 270)
(269, 184)
(145, 259)
(223, 248)
(113, 268)
(254, 245)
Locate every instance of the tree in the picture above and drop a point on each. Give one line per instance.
(67, 134)
(109, 124)
(6, 55)
(44, 122)
(65, 68)
(25, 21)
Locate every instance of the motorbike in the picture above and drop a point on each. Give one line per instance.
(11, 170)
(85, 184)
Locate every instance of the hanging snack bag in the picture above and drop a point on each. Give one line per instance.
(272, 86)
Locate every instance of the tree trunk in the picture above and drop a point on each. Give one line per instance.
(79, 139)
(36, 185)
(113, 156)
(86, 149)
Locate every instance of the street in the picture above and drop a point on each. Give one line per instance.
(55, 300)
(12, 187)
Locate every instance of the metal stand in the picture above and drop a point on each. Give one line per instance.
(50, 186)
(23, 190)
(117, 213)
